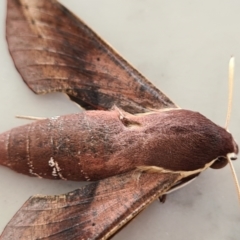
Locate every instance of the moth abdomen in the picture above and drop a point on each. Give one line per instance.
(73, 147)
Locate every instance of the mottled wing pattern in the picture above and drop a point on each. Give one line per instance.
(95, 211)
(54, 51)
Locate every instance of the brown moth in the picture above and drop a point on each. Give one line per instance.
(125, 119)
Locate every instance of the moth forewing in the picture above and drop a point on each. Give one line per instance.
(89, 212)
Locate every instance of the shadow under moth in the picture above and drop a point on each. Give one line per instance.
(134, 144)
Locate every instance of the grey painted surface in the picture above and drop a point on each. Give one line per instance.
(183, 47)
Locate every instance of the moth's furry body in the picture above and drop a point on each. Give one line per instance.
(95, 145)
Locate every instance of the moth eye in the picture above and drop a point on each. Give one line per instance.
(220, 162)
(220, 159)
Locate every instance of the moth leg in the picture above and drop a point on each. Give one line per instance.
(163, 198)
(182, 183)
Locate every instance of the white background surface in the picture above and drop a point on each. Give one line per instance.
(183, 47)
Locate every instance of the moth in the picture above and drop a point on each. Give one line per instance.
(124, 118)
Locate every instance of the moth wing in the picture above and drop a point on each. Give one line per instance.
(95, 211)
(54, 51)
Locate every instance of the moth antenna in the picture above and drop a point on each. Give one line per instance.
(234, 174)
(230, 96)
(230, 89)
